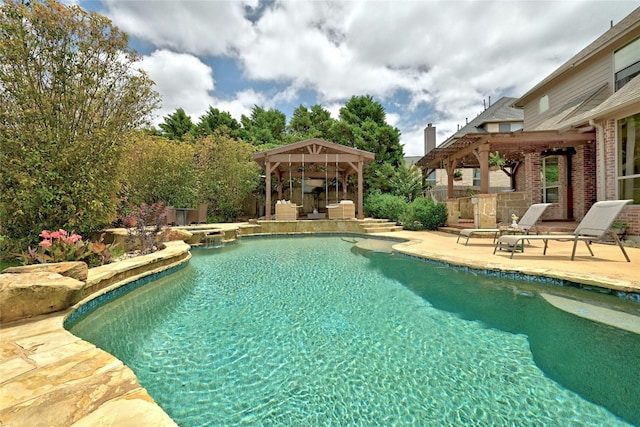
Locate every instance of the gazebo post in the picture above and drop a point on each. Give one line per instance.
(279, 175)
(360, 191)
(267, 186)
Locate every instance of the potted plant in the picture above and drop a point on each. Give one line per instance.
(457, 175)
(496, 161)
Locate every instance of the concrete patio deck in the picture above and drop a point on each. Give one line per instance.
(48, 377)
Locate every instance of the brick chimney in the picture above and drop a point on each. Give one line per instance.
(429, 138)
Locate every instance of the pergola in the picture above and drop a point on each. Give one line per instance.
(315, 159)
(472, 151)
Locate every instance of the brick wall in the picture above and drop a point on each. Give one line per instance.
(631, 215)
(584, 173)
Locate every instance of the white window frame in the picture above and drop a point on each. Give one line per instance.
(620, 167)
(626, 62)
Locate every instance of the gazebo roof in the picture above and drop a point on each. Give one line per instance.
(317, 152)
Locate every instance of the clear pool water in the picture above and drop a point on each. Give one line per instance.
(314, 331)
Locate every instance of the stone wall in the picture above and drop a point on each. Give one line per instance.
(480, 208)
(509, 203)
(47, 288)
(40, 289)
(486, 210)
(453, 211)
(308, 226)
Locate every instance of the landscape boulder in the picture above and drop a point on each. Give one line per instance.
(75, 269)
(24, 295)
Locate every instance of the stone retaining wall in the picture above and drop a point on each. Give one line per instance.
(47, 288)
(308, 226)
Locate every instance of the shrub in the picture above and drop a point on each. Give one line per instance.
(143, 224)
(425, 214)
(71, 88)
(159, 170)
(378, 205)
(228, 174)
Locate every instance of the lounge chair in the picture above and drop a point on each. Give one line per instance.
(527, 222)
(593, 228)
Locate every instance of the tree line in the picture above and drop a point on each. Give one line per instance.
(361, 124)
(77, 145)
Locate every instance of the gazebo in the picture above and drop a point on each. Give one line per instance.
(313, 159)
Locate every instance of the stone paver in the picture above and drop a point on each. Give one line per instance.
(48, 377)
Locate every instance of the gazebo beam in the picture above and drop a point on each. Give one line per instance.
(313, 158)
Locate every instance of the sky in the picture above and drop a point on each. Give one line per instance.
(425, 61)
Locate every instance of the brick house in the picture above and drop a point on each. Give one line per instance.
(581, 137)
(500, 116)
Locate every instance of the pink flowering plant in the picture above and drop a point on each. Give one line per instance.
(59, 246)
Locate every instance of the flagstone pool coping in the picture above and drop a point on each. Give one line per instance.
(53, 378)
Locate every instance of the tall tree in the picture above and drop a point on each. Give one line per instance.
(70, 91)
(363, 125)
(310, 123)
(216, 121)
(362, 108)
(177, 125)
(406, 182)
(265, 128)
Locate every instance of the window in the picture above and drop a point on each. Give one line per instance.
(504, 127)
(549, 179)
(430, 181)
(544, 103)
(476, 177)
(627, 63)
(629, 158)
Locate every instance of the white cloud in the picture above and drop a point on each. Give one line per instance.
(445, 57)
(242, 103)
(198, 27)
(182, 80)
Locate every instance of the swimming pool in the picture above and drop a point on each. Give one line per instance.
(314, 331)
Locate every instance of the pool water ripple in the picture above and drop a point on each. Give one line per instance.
(314, 332)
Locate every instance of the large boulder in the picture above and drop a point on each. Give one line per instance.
(24, 295)
(75, 269)
(173, 234)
